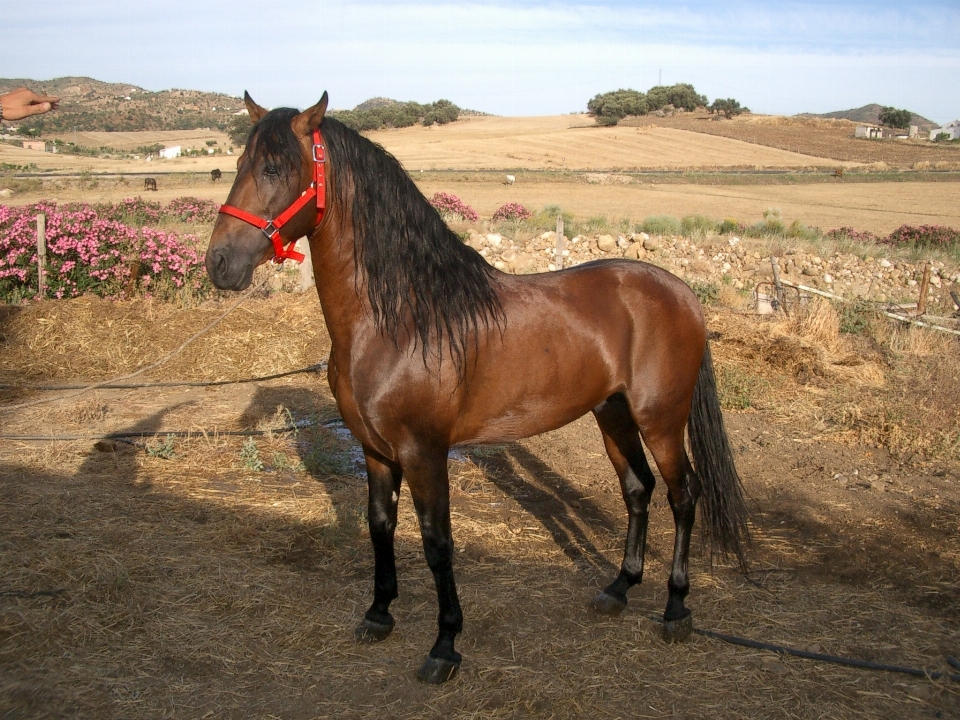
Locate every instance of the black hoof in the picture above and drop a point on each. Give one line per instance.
(675, 631)
(436, 671)
(607, 604)
(371, 631)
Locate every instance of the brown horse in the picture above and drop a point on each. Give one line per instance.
(432, 348)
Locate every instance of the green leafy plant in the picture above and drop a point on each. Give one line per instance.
(250, 456)
(162, 449)
(707, 293)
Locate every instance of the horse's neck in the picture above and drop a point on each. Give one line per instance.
(342, 298)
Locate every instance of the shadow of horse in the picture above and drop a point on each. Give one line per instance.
(554, 501)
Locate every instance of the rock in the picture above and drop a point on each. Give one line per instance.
(524, 263)
(494, 239)
(827, 278)
(6, 192)
(884, 263)
(642, 237)
(606, 243)
(635, 252)
(622, 242)
(809, 271)
(508, 256)
(650, 244)
(500, 265)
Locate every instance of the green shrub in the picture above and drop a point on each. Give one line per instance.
(730, 226)
(707, 293)
(697, 225)
(661, 225)
(546, 219)
(801, 232)
(856, 317)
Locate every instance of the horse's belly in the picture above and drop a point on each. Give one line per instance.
(503, 419)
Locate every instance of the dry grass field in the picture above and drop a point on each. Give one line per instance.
(822, 138)
(219, 576)
(574, 142)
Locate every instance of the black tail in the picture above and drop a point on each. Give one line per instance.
(724, 509)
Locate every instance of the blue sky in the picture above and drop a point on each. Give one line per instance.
(508, 58)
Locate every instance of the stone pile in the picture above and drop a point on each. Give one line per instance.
(724, 259)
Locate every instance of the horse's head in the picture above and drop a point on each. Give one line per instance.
(275, 170)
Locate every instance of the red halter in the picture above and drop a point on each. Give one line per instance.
(271, 228)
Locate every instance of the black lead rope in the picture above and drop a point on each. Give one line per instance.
(835, 659)
(319, 367)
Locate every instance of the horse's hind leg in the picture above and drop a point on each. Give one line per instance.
(683, 491)
(383, 486)
(622, 441)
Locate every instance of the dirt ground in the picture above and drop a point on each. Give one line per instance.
(177, 580)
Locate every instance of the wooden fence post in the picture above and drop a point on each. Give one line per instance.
(559, 261)
(307, 280)
(924, 289)
(41, 255)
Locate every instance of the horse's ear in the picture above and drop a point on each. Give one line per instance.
(310, 119)
(256, 112)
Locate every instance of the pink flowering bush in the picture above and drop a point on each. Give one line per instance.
(192, 210)
(927, 236)
(511, 211)
(87, 252)
(448, 204)
(138, 212)
(849, 233)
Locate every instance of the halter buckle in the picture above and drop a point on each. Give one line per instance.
(269, 230)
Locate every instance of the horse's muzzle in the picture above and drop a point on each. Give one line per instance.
(227, 271)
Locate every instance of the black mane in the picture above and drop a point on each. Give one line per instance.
(416, 269)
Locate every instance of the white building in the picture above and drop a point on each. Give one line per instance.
(170, 152)
(952, 129)
(869, 132)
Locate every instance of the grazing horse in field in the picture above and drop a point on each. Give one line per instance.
(215, 174)
(150, 184)
(431, 348)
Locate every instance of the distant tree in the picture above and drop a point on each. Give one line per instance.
(609, 108)
(681, 95)
(240, 128)
(371, 115)
(891, 117)
(728, 107)
(942, 137)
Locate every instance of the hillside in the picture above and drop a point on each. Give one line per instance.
(869, 114)
(89, 105)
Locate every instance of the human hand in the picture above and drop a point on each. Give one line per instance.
(23, 103)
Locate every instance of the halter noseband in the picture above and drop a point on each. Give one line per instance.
(271, 228)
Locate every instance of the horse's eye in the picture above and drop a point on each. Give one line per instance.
(270, 171)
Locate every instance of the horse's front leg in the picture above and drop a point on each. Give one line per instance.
(383, 484)
(426, 475)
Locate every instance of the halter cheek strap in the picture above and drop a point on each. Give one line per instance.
(271, 228)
